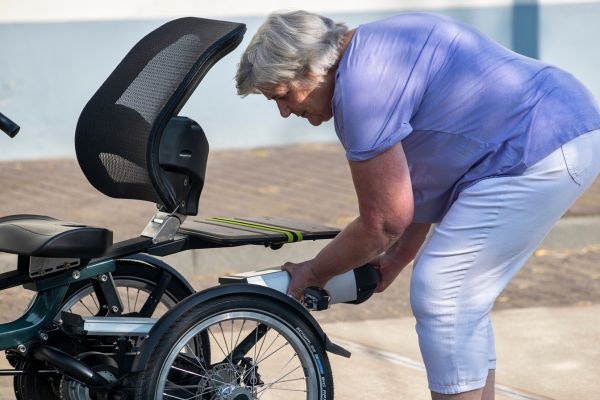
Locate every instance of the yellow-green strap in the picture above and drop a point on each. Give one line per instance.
(292, 236)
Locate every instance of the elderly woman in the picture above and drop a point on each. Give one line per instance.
(441, 126)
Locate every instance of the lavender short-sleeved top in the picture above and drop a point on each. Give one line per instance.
(464, 107)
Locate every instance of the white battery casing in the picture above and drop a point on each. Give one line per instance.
(341, 288)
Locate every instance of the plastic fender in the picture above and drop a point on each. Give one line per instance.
(196, 300)
(159, 264)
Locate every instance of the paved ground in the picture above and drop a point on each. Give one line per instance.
(308, 183)
(543, 353)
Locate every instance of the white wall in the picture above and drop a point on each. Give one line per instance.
(85, 10)
(55, 54)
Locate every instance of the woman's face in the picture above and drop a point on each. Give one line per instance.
(311, 101)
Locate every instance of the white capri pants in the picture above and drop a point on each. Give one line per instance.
(471, 255)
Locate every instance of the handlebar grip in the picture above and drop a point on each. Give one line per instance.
(9, 127)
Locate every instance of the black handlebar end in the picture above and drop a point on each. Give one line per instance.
(9, 127)
(13, 132)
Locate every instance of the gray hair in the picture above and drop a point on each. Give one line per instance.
(286, 47)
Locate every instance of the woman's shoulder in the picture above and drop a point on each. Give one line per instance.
(395, 40)
(409, 21)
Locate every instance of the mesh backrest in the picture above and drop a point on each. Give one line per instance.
(118, 133)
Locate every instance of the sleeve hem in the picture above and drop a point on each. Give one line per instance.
(364, 155)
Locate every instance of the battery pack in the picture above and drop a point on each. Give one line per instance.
(354, 286)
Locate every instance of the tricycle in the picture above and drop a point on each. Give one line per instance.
(112, 321)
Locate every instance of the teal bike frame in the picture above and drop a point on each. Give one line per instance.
(46, 304)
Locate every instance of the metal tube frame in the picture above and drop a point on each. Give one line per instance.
(46, 305)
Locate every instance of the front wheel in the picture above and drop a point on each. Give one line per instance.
(259, 349)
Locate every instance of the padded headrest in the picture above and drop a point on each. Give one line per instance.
(119, 130)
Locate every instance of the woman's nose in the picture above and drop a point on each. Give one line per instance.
(284, 109)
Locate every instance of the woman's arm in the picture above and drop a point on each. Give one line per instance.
(385, 201)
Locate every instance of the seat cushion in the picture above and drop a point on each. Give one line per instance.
(41, 236)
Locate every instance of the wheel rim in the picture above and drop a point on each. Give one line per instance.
(282, 362)
(133, 294)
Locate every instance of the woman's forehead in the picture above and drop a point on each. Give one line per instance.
(275, 90)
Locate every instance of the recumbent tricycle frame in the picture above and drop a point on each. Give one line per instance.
(130, 143)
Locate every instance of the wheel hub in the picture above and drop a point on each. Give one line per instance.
(240, 394)
(73, 390)
(224, 381)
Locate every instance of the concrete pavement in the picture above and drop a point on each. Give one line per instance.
(543, 353)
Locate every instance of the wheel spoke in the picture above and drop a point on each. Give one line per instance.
(231, 343)
(174, 397)
(275, 351)
(86, 307)
(136, 300)
(224, 340)
(93, 296)
(240, 334)
(268, 347)
(267, 387)
(128, 301)
(194, 374)
(200, 364)
(178, 387)
(216, 341)
(256, 339)
(295, 355)
(286, 389)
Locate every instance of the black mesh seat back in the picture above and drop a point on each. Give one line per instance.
(119, 130)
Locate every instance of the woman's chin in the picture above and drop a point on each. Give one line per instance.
(315, 121)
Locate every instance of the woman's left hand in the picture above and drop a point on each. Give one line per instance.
(302, 276)
(388, 269)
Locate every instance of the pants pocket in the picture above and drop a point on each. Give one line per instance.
(576, 159)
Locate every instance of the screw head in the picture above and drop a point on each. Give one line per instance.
(115, 309)
(21, 348)
(44, 336)
(103, 277)
(76, 275)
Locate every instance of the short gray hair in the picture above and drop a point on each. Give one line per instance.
(286, 47)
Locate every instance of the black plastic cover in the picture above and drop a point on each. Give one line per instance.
(367, 279)
(184, 153)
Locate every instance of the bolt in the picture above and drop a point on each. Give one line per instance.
(185, 182)
(115, 309)
(22, 348)
(103, 277)
(44, 336)
(76, 274)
